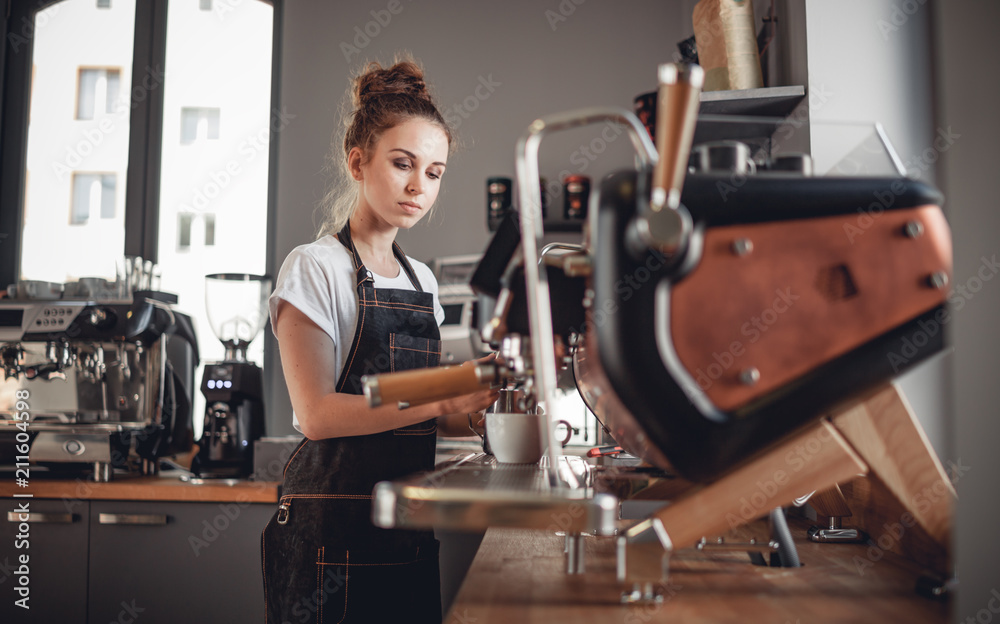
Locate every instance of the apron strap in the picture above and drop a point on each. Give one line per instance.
(361, 272)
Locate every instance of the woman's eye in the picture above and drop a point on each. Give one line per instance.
(434, 176)
(402, 164)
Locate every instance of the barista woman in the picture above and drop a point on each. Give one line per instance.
(347, 305)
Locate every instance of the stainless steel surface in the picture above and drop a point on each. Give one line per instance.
(574, 553)
(532, 231)
(753, 545)
(132, 519)
(474, 492)
(841, 536)
(40, 518)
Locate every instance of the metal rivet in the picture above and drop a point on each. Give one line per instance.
(749, 376)
(742, 246)
(938, 279)
(913, 229)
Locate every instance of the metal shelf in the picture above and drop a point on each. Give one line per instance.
(764, 102)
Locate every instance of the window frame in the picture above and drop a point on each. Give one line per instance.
(142, 181)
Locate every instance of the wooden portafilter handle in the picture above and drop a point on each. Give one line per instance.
(426, 385)
(677, 106)
(666, 226)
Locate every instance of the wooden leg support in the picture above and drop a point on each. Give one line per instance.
(815, 459)
(878, 434)
(886, 434)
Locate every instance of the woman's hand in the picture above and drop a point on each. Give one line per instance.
(459, 413)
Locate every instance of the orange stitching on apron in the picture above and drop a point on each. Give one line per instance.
(301, 446)
(347, 578)
(409, 349)
(348, 496)
(348, 565)
(361, 313)
(319, 587)
(392, 346)
(412, 305)
(392, 305)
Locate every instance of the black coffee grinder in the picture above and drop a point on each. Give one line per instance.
(233, 389)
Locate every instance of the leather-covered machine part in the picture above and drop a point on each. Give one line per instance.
(841, 304)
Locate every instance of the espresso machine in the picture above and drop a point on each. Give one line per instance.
(233, 388)
(95, 382)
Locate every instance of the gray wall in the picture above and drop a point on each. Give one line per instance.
(604, 53)
(967, 92)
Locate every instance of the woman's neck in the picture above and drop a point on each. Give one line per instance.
(373, 241)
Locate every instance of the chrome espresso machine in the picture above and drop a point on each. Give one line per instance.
(95, 383)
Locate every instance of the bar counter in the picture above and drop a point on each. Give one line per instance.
(519, 575)
(165, 487)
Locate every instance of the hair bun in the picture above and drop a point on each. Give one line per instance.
(403, 78)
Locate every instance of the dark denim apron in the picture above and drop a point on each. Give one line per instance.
(322, 558)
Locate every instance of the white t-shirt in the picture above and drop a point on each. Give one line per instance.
(318, 279)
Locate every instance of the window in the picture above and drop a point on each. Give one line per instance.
(199, 124)
(97, 91)
(184, 221)
(209, 230)
(93, 193)
(140, 146)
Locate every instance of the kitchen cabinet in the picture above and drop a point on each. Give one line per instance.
(176, 562)
(57, 561)
(97, 559)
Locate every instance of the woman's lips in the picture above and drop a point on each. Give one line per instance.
(410, 207)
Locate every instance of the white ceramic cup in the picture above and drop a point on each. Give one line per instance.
(515, 439)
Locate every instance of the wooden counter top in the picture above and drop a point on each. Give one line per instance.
(161, 488)
(519, 576)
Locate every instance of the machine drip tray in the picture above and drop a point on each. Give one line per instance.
(474, 492)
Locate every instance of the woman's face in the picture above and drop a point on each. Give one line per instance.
(401, 179)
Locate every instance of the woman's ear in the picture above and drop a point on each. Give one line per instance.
(354, 160)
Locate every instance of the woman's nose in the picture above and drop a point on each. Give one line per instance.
(415, 184)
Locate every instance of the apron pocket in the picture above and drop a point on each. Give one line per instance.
(365, 585)
(408, 352)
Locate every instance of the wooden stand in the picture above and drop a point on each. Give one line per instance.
(878, 435)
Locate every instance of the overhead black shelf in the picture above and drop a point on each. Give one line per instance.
(764, 102)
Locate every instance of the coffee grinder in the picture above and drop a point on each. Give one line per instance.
(234, 414)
